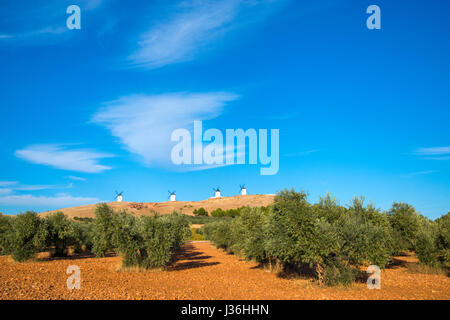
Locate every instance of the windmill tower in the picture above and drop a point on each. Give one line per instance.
(119, 196)
(172, 196)
(243, 190)
(217, 192)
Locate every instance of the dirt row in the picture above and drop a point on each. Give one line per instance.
(200, 272)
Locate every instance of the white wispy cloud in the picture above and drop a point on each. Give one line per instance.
(58, 156)
(438, 158)
(46, 20)
(144, 124)
(10, 194)
(59, 200)
(419, 173)
(434, 153)
(76, 178)
(46, 31)
(180, 38)
(33, 187)
(7, 183)
(5, 191)
(11, 186)
(227, 153)
(193, 28)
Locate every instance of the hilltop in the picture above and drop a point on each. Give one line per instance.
(186, 207)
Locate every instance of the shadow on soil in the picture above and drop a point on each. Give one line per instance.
(77, 256)
(195, 259)
(304, 272)
(287, 272)
(397, 263)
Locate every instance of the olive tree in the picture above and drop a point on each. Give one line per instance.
(28, 236)
(60, 233)
(103, 230)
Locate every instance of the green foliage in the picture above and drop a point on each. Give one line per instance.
(220, 233)
(325, 238)
(426, 244)
(218, 213)
(203, 219)
(149, 241)
(432, 244)
(200, 212)
(28, 235)
(158, 241)
(178, 228)
(300, 236)
(103, 230)
(197, 235)
(60, 233)
(328, 208)
(5, 234)
(249, 233)
(126, 237)
(24, 235)
(294, 232)
(83, 236)
(405, 224)
(84, 219)
(365, 233)
(443, 238)
(244, 234)
(162, 236)
(337, 272)
(231, 213)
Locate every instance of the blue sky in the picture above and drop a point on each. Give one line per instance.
(360, 112)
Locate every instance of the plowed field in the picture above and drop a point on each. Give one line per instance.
(199, 272)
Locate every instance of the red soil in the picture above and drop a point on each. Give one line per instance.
(200, 272)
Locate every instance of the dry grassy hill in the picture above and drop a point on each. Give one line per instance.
(186, 207)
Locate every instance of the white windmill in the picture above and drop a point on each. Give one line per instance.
(172, 196)
(119, 196)
(217, 192)
(243, 190)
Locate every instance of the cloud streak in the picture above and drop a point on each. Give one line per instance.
(184, 35)
(435, 153)
(5, 191)
(59, 157)
(10, 196)
(76, 178)
(59, 200)
(144, 124)
(7, 183)
(195, 26)
(7, 187)
(29, 25)
(419, 173)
